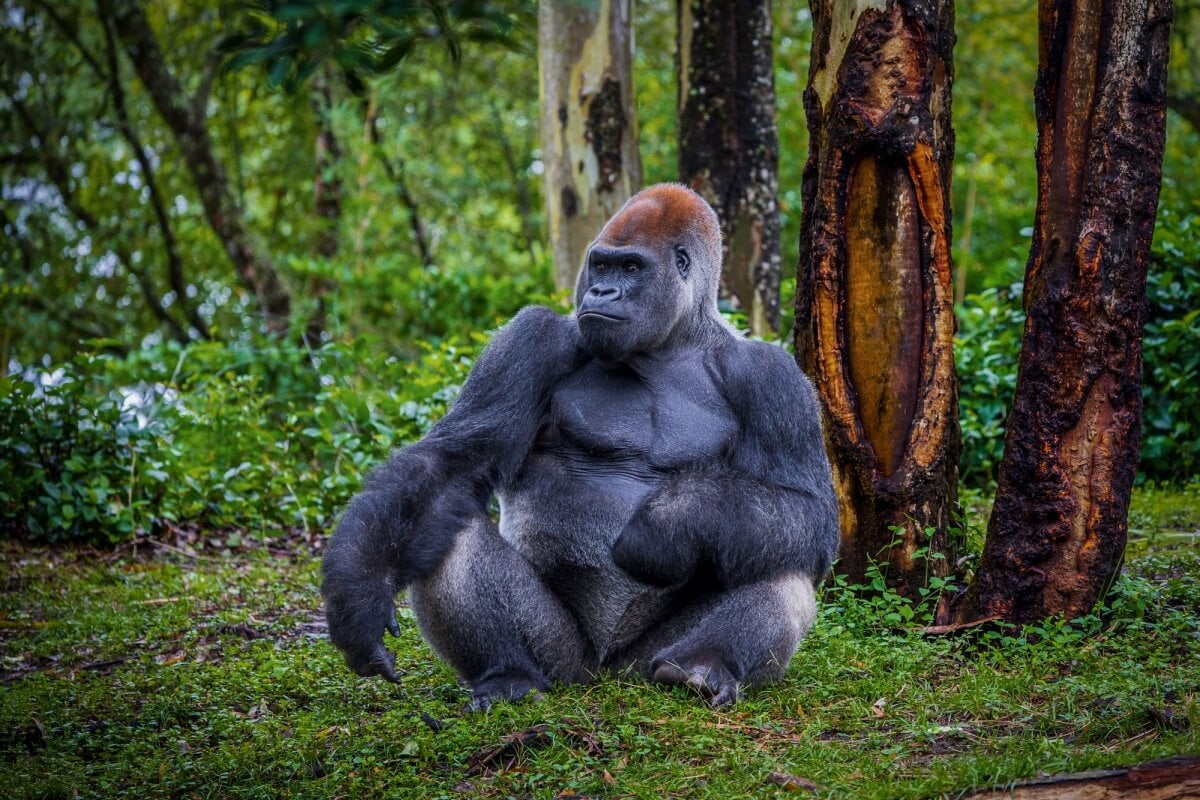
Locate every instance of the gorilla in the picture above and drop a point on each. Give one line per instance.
(666, 504)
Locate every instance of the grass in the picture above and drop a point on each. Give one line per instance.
(201, 671)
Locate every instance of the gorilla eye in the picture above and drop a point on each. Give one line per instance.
(600, 267)
(631, 267)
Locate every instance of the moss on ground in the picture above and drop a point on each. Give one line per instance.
(198, 671)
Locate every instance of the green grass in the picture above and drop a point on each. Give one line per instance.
(206, 674)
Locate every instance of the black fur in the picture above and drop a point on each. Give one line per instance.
(666, 502)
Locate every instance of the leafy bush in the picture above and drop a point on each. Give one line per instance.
(212, 436)
(72, 460)
(1171, 392)
(985, 353)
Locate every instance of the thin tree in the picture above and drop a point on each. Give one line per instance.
(186, 115)
(589, 127)
(874, 315)
(1057, 533)
(728, 143)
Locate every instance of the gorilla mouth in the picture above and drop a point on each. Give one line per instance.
(598, 315)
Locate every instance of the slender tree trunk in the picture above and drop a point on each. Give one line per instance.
(728, 144)
(327, 201)
(874, 314)
(187, 118)
(589, 127)
(1056, 536)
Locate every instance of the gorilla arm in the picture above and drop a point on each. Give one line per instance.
(767, 510)
(404, 522)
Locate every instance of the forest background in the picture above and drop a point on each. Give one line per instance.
(148, 399)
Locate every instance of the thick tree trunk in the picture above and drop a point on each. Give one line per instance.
(1057, 532)
(728, 144)
(589, 127)
(187, 119)
(874, 315)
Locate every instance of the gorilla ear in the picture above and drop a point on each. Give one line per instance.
(683, 262)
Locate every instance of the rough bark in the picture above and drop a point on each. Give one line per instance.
(728, 144)
(589, 127)
(1057, 532)
(1168, 779)
(874, 315)
(187, 119)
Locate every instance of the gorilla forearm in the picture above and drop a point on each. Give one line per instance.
(742, 528)
(407, 518)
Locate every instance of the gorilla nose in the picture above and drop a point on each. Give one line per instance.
(604, 293)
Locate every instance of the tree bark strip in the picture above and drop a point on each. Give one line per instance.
(728, 143)
(874, 314)
(1168, 779)
(589, 127)
(1057, 533)
(187, 121)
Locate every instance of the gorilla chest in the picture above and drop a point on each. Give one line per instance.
(672, 418)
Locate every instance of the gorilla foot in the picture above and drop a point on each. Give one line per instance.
(711, 681)
(507, 686)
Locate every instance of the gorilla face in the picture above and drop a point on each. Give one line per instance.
(638, 290)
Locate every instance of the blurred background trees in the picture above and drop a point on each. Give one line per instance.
(294, 222)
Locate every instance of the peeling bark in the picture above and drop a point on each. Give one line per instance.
(1057, 533)
(589, 128)
(874, 305)
(728, 143)
(187, 119)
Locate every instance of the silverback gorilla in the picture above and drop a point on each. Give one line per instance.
(665, 499)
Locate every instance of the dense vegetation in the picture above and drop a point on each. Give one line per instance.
(111, 422)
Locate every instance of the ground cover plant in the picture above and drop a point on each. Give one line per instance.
(198, 667)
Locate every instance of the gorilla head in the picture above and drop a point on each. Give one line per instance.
(650, 278)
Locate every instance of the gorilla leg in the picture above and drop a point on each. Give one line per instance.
(719, 642)
(487, 613)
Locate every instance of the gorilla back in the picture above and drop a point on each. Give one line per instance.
(666, 503)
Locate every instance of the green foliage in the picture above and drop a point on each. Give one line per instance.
(69, 460)
(1171, 394)
(292, 39)
(250, 439)
(990, 325)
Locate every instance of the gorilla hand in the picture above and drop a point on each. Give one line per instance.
(356, 626)
(655, 555)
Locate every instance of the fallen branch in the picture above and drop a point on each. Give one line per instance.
(1168, 779)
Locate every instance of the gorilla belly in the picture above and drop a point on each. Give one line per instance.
(564, 523)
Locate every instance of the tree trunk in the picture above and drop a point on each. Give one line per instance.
(589, 127)
(1056, 536)
(327, 200)
(187, 119)
(728, 145)
(874, 314)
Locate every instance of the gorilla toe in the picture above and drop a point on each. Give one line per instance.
(508, 687)
(711, 681)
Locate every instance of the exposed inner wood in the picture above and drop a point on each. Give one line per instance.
(884, 308)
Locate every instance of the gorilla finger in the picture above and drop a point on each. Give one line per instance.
(393, 625)
(383, 664)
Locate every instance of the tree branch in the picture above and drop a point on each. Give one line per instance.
(189, 125)
(57, 171)
(175, 274)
